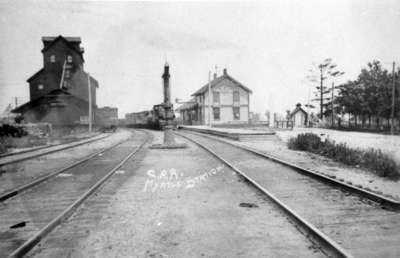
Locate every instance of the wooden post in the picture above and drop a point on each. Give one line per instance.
(90, 104)
(322, 95)
(209, 98)
(332, 99)
(393, 100)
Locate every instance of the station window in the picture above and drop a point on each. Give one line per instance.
(69, 59)
(52, 58)
(40, 87)
(236, 113)
(200, 115)
(216, 113)
(236, 97)
(215, 96)
(193, 115)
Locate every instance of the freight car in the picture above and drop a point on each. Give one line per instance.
(107, 119)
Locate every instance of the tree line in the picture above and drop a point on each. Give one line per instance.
(368, 99)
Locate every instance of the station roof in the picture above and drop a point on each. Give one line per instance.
(187, 105)
(219, 79)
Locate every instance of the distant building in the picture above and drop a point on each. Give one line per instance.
(59, 92)
(299, 116)
(107, 116)
(229, 103)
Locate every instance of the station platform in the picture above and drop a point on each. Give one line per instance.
(238, 134)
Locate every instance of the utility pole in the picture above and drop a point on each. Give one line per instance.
(308, 106)
(90, 104)
(332, 99)
(393, 100)
(322, 95)
(209, 98)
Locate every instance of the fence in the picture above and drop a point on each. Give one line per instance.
(284, 124)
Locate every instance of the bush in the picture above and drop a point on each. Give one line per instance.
(306, 142)
(371, 159)
(12, 131)
(382, 164)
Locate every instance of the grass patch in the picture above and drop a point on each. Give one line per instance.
(374, 160)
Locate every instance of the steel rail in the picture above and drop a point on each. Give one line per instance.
(11, 193)
(35, 239)
(30, 150)
(327, 245)
(48, 152)
(378, 198)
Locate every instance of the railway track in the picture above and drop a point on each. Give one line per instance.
(5, 195)
(11, 158)
(343, 224)
(26, 219)
(130, 226)
(383, 200)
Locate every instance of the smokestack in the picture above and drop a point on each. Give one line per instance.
(225, 72)
(165, 76)
(215, 76)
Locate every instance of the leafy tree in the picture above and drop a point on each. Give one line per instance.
(370, 95)
(376, 81)
(350, 98)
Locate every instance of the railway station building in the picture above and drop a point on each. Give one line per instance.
(59, 92)
(230, 101)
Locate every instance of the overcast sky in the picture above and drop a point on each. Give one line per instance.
(268, 46)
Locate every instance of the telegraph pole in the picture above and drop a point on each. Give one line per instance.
(393, 100)
(90, 104)
(333, 111)
(308, 106)
(209, 98)
(322, 95)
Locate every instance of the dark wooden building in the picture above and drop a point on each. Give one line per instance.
(59, 92)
